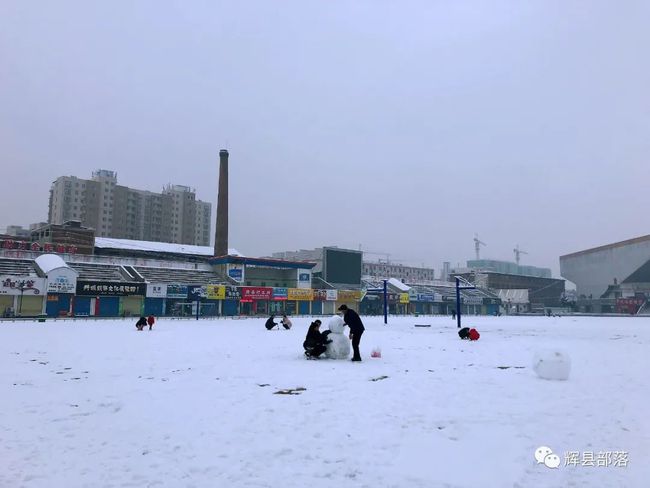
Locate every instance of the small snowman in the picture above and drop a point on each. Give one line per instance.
(339, 347)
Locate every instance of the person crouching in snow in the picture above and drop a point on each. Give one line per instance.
(270, 323)
(151, 320)
(140, 324)
(315, 341)
(286, 323)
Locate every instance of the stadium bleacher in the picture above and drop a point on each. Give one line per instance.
(184, 276)
(17, 267)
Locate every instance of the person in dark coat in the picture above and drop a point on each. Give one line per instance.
(270, 323)
(315, 341)
(352, 319)
(151, 320)
(140, 324)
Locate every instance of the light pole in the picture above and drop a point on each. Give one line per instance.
(21, 286)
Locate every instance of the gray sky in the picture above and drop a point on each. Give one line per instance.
(405, 127)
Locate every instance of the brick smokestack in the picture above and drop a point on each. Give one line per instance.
(221, 231)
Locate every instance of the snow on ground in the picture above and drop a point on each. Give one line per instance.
(192, 404)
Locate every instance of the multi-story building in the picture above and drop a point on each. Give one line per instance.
(408, 274)
(202, 225)
(69, 237)
(507, 267)
(18, 231)
(612, 277)
(113, 210)
(379, 270)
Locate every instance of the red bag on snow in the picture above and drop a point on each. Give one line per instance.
(474, 335)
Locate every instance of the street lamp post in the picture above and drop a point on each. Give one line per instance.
(21, 285)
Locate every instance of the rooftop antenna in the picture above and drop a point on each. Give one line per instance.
(477, 246)
(518, 252)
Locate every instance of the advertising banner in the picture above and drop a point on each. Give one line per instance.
(61, 282)
(332, 295)
(215, 292)
(304, 278)
(349, 295)
(176, 291)
(280, 293)
(116, 289)
(404, 298)
(471, 300)
(196, 292)
(304, 294)
(425, 297)
(21, 285)
(156, 290)
(233, 293)
(256, 293)
(236, 272)
(320, 295)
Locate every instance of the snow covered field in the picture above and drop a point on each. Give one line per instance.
(193, 404)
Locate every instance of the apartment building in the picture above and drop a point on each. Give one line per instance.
(113, 210)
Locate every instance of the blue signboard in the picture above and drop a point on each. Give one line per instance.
(176, 291)
(280, 293)
(235, 274)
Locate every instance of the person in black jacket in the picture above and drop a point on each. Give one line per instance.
(352, 319)
(140, 324)
(270, 323)
(315, 341)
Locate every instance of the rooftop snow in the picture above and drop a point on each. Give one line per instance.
(48, 262)
(398, 284)
(170, 247)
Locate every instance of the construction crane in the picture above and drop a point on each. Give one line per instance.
(518, 252)
(477, 245)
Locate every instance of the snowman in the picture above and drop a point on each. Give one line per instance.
(339, 348)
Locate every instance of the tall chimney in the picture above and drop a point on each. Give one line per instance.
(221, 231)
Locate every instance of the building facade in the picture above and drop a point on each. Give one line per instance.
(593, 270)
(507, 267)
(336, 266)
(113, 210)
(542, 292)
(386, 270)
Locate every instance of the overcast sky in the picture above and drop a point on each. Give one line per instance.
(403, 127)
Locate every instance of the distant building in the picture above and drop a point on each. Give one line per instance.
(409, 274)
(507, 267)
(68, 237)
(542, 292)
(18, 231)
(117, 211)
(337, 267)
(608, 277)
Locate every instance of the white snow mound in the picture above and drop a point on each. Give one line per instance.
(552, 365)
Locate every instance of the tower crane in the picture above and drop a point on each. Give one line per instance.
(477, 245)
(518, 252)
